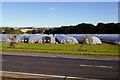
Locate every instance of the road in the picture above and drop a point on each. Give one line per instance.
(86, 68)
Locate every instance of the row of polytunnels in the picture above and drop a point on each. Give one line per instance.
(60, 38)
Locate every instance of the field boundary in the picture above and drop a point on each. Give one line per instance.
(53, 55)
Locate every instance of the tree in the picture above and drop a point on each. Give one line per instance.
(101, 28)
(34, 31)
(13, 41)
(29, 32)
(83, 43)
(12, 38)
(40, 30)
(8, 30)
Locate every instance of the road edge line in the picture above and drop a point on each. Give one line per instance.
(46, 75)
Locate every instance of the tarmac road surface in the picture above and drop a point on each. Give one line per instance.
(86, 68)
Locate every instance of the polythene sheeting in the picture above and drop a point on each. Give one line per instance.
(112, 38)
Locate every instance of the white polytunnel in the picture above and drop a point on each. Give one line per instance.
(62, 38)
(79, 37)
(109, 38)
(23, 38)
(93, 40)
(48, 39)
(36, 38)
(90, 39)
(66, 39)
(0, 38)
(5, 38)
(106, 38)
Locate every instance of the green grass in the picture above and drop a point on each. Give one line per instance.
(101, 50)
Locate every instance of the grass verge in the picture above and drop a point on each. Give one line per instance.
(100, 50)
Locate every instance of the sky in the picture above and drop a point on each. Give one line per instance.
(57, 14)
(60, 0)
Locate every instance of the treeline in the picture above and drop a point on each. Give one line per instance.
(100, 28)
(7, 30)
(38, 31)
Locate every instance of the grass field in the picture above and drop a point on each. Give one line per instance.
(101, 49)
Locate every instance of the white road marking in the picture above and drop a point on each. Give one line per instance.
(110, 67)
(104, 66)
(2, 60)
(90, 65)
(45, 75)
(83, 65)
(43, 62)
(86, 65)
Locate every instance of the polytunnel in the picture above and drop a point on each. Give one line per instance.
(106, 38)
(48, 39)
(79, 37)
(89, 39)
(93, 40)
(23, 38)
(109, 38)
(29, 38)
(36, 38)
(66, 39)
(0, 38)
(4, 38)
